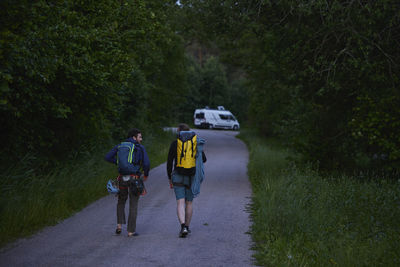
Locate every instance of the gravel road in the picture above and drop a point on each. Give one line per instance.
(219, 224)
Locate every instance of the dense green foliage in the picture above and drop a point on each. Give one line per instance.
(323, 74)
(77, 71)
(209, 85)
(303, 219)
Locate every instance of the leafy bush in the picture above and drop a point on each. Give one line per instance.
(73, 73)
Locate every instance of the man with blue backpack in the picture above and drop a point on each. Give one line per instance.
(185, 173)
(131, 158)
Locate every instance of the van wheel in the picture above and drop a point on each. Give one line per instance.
(235, 127)
(210, 126)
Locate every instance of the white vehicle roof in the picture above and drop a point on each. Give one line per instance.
(212, 110)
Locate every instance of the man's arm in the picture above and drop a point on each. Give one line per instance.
(145, 163)
(171, 157)
(111, 155)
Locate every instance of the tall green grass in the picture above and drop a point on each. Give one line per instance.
(30, 201)
(301, 218)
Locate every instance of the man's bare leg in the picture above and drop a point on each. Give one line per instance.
(180, 210)
(182, 216)
(188, 212)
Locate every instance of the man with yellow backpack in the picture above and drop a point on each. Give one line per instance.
(183, 176)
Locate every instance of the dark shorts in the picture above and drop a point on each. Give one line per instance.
(182, 191)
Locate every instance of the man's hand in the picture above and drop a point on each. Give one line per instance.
(145, 178)
(170, 184)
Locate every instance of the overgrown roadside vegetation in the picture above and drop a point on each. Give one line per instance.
(31, 200)
(301, 218)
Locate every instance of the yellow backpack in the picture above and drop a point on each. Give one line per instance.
(186, 150)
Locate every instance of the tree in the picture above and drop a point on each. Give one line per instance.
(75, 72)
(313, 68)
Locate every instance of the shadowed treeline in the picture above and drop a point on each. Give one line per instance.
(324, 75)
(76, 73)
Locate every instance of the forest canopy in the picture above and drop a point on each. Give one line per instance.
(321, 75)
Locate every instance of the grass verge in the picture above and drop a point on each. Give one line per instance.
(29, 202)
(303, 219)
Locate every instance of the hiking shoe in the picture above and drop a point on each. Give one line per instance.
(133, 234)
(183, 233)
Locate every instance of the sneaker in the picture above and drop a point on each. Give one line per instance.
(183, 233)
(118, 231)
(133, 234)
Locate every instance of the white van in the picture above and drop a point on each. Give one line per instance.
(215, 118)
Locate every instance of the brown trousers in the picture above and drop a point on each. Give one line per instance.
(124, 192)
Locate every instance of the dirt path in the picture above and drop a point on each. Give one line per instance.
(219, 222)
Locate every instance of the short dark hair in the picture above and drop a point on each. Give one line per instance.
(183, 127)
(134, 132)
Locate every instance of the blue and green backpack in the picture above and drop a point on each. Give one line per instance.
(125, 158)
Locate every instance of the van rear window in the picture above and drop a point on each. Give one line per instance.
(200, 115)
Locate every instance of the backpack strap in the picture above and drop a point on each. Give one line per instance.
(191, 140)
(182, 154)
